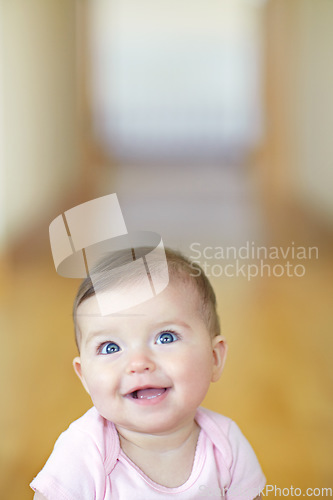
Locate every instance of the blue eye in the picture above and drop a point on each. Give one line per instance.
(166, 338)
(109, 348)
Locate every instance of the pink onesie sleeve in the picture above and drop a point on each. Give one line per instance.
(247, 479)
(76, 468)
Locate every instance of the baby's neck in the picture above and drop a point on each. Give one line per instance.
(160, 443)
(166, 459)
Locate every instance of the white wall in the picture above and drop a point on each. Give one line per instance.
(176, 77)
(313, 107)
(2, 162)
(39, 136)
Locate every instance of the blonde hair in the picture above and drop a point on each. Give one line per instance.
(180, 269)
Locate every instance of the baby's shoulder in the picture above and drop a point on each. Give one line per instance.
(224, 433)
(214, 423)
(234, 455)
(93, 432)
(82, 458)
(90, 424)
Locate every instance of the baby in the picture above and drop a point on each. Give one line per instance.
(147, 369)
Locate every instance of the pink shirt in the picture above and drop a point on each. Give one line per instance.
(87, 463)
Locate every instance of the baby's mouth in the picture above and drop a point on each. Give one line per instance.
(149, 393)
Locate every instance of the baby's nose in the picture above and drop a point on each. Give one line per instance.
(140, 363)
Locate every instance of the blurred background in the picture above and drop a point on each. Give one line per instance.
(213, 124)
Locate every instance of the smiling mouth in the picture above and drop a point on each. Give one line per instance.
(149, 393)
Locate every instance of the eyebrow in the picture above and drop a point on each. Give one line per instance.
(173, 321)
(106, 315)
(95, 334)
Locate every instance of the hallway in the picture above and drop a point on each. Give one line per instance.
(277, 382)
(213, 126)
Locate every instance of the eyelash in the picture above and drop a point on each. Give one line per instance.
(104, 344)
(172, 332)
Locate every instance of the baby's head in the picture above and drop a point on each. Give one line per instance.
(148, 367)
(182, 272)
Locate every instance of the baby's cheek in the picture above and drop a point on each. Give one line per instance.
(194, 391)
(98, 383)
(196, 370)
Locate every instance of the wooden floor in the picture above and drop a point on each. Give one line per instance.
(277, 384)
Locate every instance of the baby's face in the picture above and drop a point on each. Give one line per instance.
(148, 368)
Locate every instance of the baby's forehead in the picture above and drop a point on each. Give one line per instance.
(128, 295)
(126, 280)
(179, 302)
(193, 287)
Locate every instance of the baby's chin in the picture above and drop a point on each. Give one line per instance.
(158, 424)
(149, 429)
(148, 424)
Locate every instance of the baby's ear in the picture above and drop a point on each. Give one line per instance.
(220, 349)
(78, 370)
